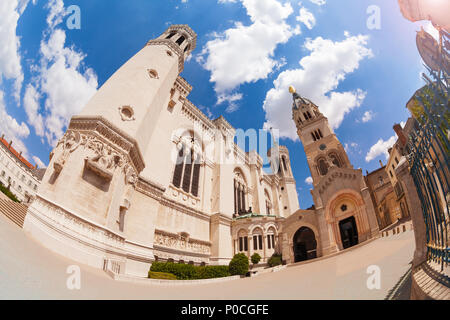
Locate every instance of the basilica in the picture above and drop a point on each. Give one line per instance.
(143, 175)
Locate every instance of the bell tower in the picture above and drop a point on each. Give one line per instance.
(90, 186)
(322, 147)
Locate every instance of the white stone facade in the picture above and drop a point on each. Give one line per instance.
(143, 175)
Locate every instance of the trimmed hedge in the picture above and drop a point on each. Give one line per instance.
(8, 193)
(189, 271)
(239, 265)
(161, 275)
(275, 260)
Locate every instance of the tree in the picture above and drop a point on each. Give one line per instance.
(239, 265)
(256, 258)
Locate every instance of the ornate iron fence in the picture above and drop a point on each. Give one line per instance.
(428, 156)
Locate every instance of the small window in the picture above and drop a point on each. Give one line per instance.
(153, 73)
(180, 40)
(171, 35)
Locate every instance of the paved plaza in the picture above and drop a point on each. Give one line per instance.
(29, 271)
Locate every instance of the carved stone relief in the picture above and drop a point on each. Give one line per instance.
(181, 242)
(69, 143)
(104, 161)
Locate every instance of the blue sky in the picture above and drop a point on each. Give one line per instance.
(248, 53)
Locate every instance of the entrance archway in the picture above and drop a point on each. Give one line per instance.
(349, 232)
(305, 245)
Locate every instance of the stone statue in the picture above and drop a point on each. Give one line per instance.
(70, 142)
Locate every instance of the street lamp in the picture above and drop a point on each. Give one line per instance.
(437, 11)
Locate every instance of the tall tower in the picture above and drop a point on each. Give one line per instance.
(281, 166)
(94, 169)
(322, 147)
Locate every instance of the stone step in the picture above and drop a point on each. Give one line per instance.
(12, 214)
(14, 211)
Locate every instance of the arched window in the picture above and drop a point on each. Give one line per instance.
(335, 159)
(243, 241)
(187, 168)
(257, 239)
(240, 193)
(322, 166)
(320, 133)
(284, 163)
(271, 238)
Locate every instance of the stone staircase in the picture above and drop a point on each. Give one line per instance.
(14, 211)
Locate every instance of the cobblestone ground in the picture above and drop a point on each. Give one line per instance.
(29, 271)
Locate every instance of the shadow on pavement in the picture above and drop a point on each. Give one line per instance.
(402, 289)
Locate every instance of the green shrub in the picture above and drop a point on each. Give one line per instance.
(239, 264)
(256, 258)
(8, 193)
(161, 275)
(189, 271)
(211, 272)
(275, 260)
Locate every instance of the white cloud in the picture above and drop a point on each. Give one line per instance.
(11, 68)
(31, 104)
(12, 129)
(319, 74)
(352, 147)
(63, 83)
(379, 148)
(307, 18)
(368, 115)
(244, 54)
(39, 162)
(10, 59)
(56, 14)
(319, 2)
(309, 180)
(231, 99)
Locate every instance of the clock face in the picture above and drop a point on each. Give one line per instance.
(322, 147)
